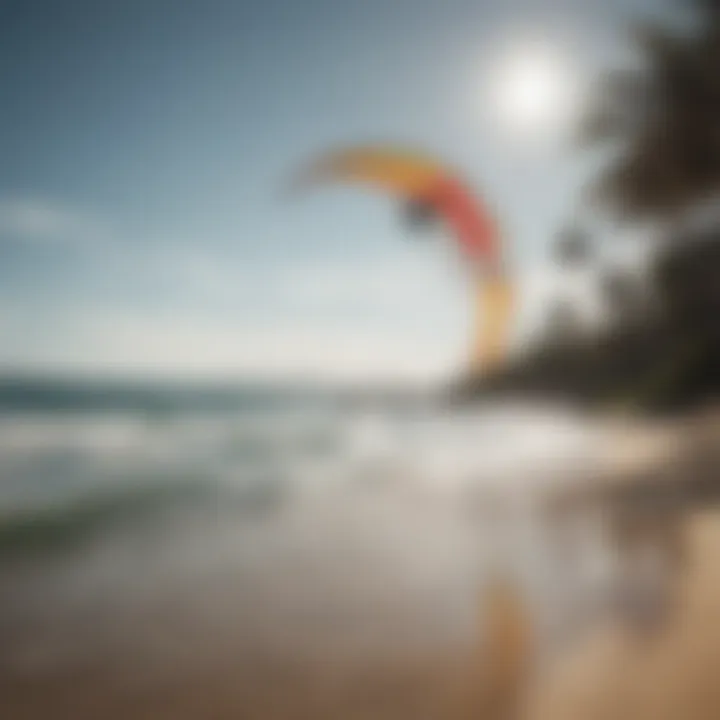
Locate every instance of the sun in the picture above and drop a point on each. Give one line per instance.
(534, 89)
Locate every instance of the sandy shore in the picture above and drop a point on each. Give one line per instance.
(673, 674)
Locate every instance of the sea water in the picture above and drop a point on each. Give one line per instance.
(329, 518)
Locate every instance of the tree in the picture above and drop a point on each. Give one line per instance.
(661, 122)
(564, 326)
(624, 294)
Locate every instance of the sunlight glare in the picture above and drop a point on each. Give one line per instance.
(534, 90)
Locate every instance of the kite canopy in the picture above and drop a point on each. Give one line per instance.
(429, 188)
(430, 191)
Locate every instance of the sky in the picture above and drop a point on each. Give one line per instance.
(144, 146)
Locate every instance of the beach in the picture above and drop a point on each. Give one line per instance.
(362, 598)
(671, 675)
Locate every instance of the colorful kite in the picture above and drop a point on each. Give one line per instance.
(430, 191)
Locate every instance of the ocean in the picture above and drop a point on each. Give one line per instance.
(170, 523)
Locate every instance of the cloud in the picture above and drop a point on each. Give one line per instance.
(171, 307)
(379, 318)
(121, 342)
(405, 292)
(39, 221)
(166, 340)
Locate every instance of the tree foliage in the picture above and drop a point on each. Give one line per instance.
(661, 122)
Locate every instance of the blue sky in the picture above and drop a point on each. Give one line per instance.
(144, 143)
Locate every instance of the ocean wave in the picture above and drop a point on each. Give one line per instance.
(56, 527)
(60, 525)
(65, 476)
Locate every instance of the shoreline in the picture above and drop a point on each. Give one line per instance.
(316, 637)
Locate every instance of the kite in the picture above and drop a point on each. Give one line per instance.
(430, 191)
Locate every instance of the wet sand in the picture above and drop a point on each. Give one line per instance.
(671, 675)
